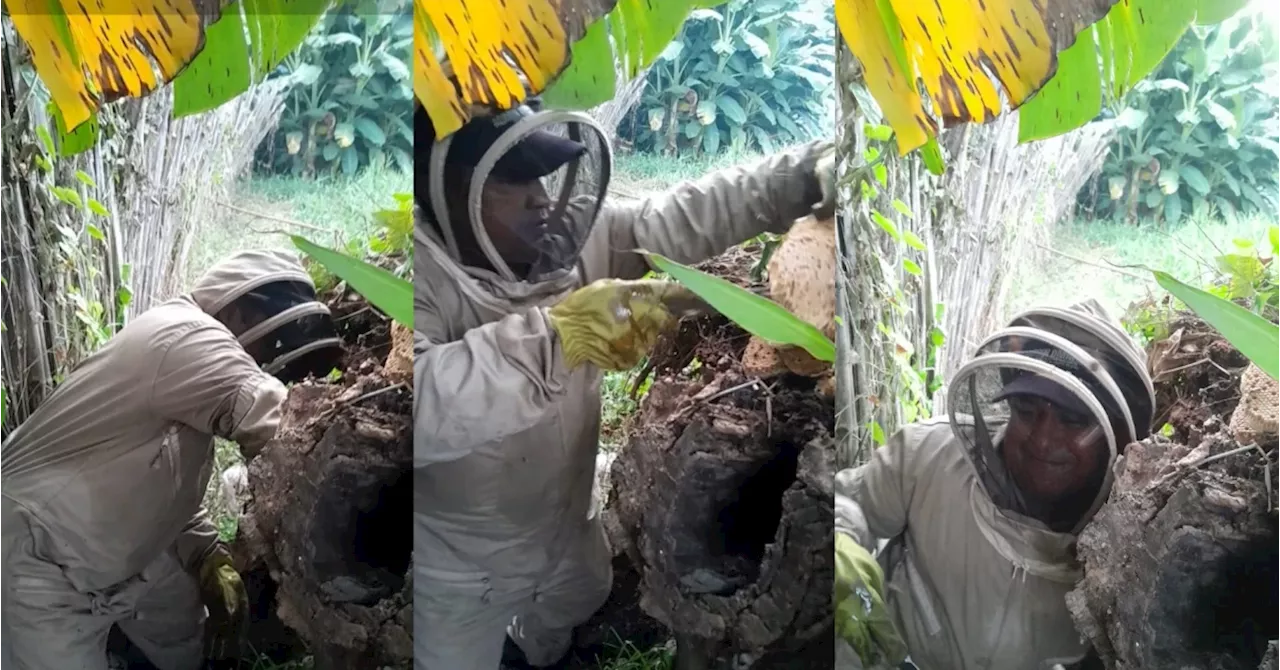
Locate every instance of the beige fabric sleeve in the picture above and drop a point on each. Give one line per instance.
(498, 380)
(206, 380)
(698, 219)
(875, 497)
(198, 539)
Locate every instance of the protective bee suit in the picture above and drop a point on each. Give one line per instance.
(975, 571)
(102, 485)
(506, 427)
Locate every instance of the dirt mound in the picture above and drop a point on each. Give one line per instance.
(1196, 375)
(722, 496)
(1181, 563)
(323, 541)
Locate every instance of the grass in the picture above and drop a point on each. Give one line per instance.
(641, 174)
(330, 210)
(623, 655)
(1186, 251)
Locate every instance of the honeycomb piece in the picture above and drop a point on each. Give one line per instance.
(1254, 419)
(399, 365)
(761, 360)
(802, 273)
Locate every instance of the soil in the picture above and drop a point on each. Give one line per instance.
(1181, 563)
(1196, 375)
(721, 499)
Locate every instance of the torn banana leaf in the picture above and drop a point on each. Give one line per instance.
(946, 45)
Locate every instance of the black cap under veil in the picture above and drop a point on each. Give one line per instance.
(1046, 354)
(565, 151)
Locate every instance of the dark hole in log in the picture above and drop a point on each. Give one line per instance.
(361, 533)
(383, 534)
(727, 511)
(750, 520)
(1237, 601)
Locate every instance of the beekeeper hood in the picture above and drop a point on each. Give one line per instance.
(520, 232)
(1090, 373)
(268, 301)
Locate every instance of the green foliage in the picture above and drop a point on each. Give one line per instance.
(1240, 303)
(628, 38)
(748, 74)
(247, 42)
(757, 315)
(382, 276)
(916, 369)
(385, 291)
(1249, 278)
(1202, 135)
(351, 102)
(75, 248)
(1255, 337)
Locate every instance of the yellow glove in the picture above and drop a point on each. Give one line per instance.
(613, 323)
(224, 595)
(861, 617)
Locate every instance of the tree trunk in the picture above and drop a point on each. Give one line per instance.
(329, 524)
(722, 497)
(1181, 563)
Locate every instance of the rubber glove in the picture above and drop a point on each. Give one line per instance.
(224, 595)
(613, 323)
(861, 617)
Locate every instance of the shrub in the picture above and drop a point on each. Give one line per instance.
(744, 75)
(351, 101)
(1200, 135)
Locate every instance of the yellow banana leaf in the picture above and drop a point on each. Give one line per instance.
(949, 46)
(471, 53)
(91, 53)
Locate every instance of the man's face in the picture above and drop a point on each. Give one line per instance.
(514, 216)
(1052, 453)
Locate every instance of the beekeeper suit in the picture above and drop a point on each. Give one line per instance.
(527, 287)
(102, 485)
(982, 509)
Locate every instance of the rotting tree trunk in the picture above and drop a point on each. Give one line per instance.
(326, 535)
(1181, 563)
(722, 499)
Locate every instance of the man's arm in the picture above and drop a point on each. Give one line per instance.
(698, 219)
(873, 500)
(206, 380)
(498, 380)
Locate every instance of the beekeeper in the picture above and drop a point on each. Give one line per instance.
(103, 483)
(982, 509)
(528, 287)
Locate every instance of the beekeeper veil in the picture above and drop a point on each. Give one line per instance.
(536, 183)
(1046, 406)
(268, 300)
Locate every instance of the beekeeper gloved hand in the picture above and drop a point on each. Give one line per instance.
(613, 323)
(861, 617)
(223, 594)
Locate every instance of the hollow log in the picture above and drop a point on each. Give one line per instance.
(326, 538)
(1181, 563)
(722, 500)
